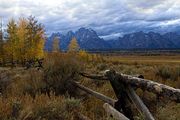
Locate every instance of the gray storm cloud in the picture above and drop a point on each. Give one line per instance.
(108, 17)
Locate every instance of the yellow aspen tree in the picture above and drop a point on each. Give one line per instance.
(35, 39)
(21, 33)
(12, 40)
(73, 46)
(55, 46)
(39, 43)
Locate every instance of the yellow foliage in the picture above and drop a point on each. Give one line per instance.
(40, 49)
(11, 44)
(26, 40)
(35, 39)
(73, 46)
(84, 55)
(21, 33)
(56, 45)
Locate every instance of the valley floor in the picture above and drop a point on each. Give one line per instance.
(163, 69)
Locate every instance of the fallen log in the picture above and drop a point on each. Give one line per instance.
(96, 94)
(139, 104)
(95, 77)
(151, 86)
(112, 111)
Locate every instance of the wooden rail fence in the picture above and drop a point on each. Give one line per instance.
(123, 86)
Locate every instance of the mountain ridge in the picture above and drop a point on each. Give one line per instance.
(87, 39)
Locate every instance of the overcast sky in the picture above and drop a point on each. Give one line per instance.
(110, 18)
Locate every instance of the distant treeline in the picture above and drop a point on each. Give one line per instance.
(136, 51)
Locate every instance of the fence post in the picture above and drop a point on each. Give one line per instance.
(123, 103)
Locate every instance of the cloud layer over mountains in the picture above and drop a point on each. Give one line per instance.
(110, 18)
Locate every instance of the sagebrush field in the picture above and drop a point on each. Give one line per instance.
(47, 94)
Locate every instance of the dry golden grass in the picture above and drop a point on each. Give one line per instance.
(42, 107)
(149, 60)
(24, 95)
(163, 69)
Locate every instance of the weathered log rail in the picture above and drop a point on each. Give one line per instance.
(151, 86)
(96, 94)
(112, 111)
(123, 86)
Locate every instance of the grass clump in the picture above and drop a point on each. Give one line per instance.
(42, 107)
(169, 112)
(164, 72)
(167, 72)
(30, 83)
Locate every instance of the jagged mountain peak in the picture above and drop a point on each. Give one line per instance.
(56, 34)
(82, 29)
(87, 31)
(171, 34)
(70, 33)
(88, 39)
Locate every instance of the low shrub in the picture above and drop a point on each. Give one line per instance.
(164, 72)
(58, 72)
(55, 108)
(167, 72)
(101, 66)
(84, 55)
(42, 107)
(176, 72)
(31, 83)
(169, 112)
(60, 69)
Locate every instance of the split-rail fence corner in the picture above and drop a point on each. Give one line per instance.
(124, 88)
